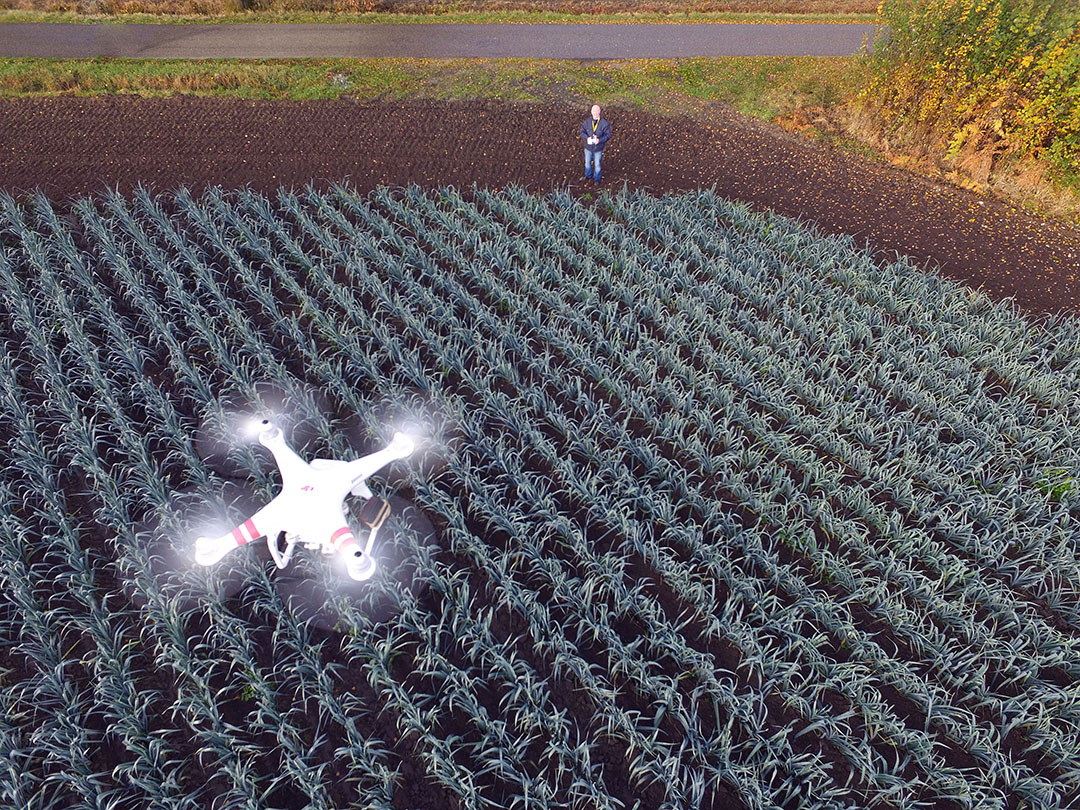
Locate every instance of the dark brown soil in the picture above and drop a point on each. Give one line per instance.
(72, 146)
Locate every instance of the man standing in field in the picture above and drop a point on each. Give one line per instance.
(595, 132)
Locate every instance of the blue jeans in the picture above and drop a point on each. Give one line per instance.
(592, 159)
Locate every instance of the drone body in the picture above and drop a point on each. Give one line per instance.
(311, 506)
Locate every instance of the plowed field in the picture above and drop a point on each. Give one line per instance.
(707, 510)
(69, 146)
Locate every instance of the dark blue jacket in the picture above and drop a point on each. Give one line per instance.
(603, 132)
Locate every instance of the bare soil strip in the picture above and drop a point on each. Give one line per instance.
(70, 146)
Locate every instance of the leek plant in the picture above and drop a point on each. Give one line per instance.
(668, 428)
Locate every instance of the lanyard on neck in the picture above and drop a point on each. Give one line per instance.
(594, 123)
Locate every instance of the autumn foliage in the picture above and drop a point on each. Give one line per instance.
(983, 80)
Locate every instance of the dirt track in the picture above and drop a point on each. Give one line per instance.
(71, 146)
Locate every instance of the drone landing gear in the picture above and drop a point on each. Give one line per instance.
(313, 590)
(282, 558)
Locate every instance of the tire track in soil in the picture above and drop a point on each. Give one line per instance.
(70, 146)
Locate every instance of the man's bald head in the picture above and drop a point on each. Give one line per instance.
(596, 112)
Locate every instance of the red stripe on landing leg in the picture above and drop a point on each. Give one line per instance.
(238, 536)
(342, 538)
(253, 533)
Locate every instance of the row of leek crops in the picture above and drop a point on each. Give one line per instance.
(729, 513)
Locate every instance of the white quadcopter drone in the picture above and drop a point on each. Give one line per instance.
(311, 506)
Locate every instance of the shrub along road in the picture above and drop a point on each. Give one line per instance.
(72, 146)
(432, 40)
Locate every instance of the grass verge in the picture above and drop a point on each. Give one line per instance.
(764, 87)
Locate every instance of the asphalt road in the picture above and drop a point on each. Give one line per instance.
(433, 40)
